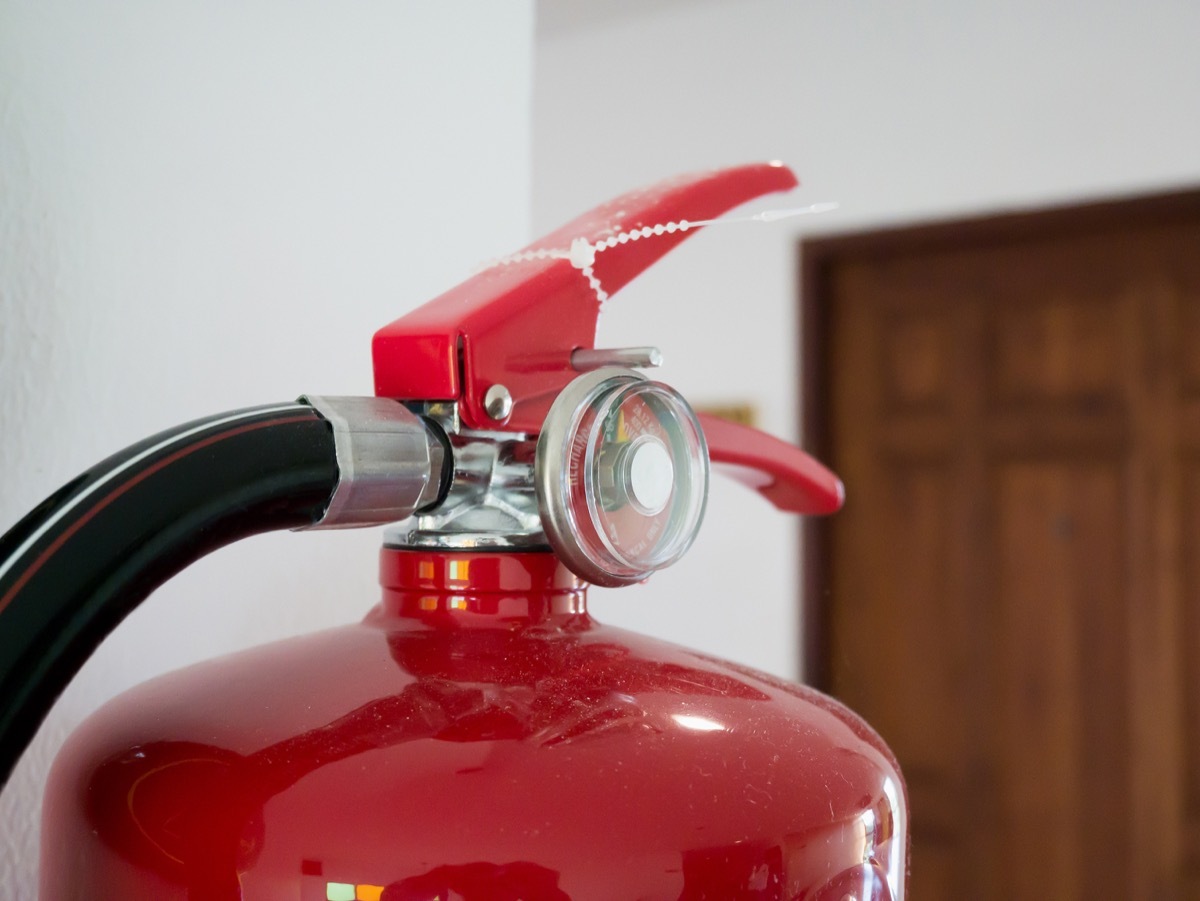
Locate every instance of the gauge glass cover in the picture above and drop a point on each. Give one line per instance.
(623, 476)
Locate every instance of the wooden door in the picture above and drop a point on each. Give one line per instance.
(1012, 593)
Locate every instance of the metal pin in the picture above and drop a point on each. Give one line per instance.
(498, 402)
(585, 359)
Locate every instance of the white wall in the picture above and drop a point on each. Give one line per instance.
(902, 112)
(210, 205)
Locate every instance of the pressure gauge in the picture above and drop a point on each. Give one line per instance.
(621, 475)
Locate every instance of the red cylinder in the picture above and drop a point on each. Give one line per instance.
(477, 736)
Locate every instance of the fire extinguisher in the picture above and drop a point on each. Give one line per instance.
(478, 735)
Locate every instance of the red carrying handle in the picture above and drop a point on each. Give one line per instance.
(785, 475)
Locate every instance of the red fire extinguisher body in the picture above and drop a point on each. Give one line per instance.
(477, 736)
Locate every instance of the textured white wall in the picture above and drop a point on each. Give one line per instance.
(902, 112)
(212, 205)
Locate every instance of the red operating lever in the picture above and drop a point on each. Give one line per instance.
(516, 324)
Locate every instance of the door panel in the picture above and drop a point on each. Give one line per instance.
(1060, 741)
(1012, 593)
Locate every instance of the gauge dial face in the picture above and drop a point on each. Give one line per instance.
(622, 476)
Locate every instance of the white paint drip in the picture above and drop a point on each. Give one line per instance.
(582, 253)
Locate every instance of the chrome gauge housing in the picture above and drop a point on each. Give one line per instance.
(621, 473)
(616, 483)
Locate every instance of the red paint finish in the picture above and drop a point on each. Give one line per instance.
(478, 733)
(516, 324)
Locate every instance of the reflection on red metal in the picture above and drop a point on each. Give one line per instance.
(479, 733)
(517, 322)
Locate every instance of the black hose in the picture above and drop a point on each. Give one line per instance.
(132, 522)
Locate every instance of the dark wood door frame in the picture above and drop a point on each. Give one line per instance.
(820, 256)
